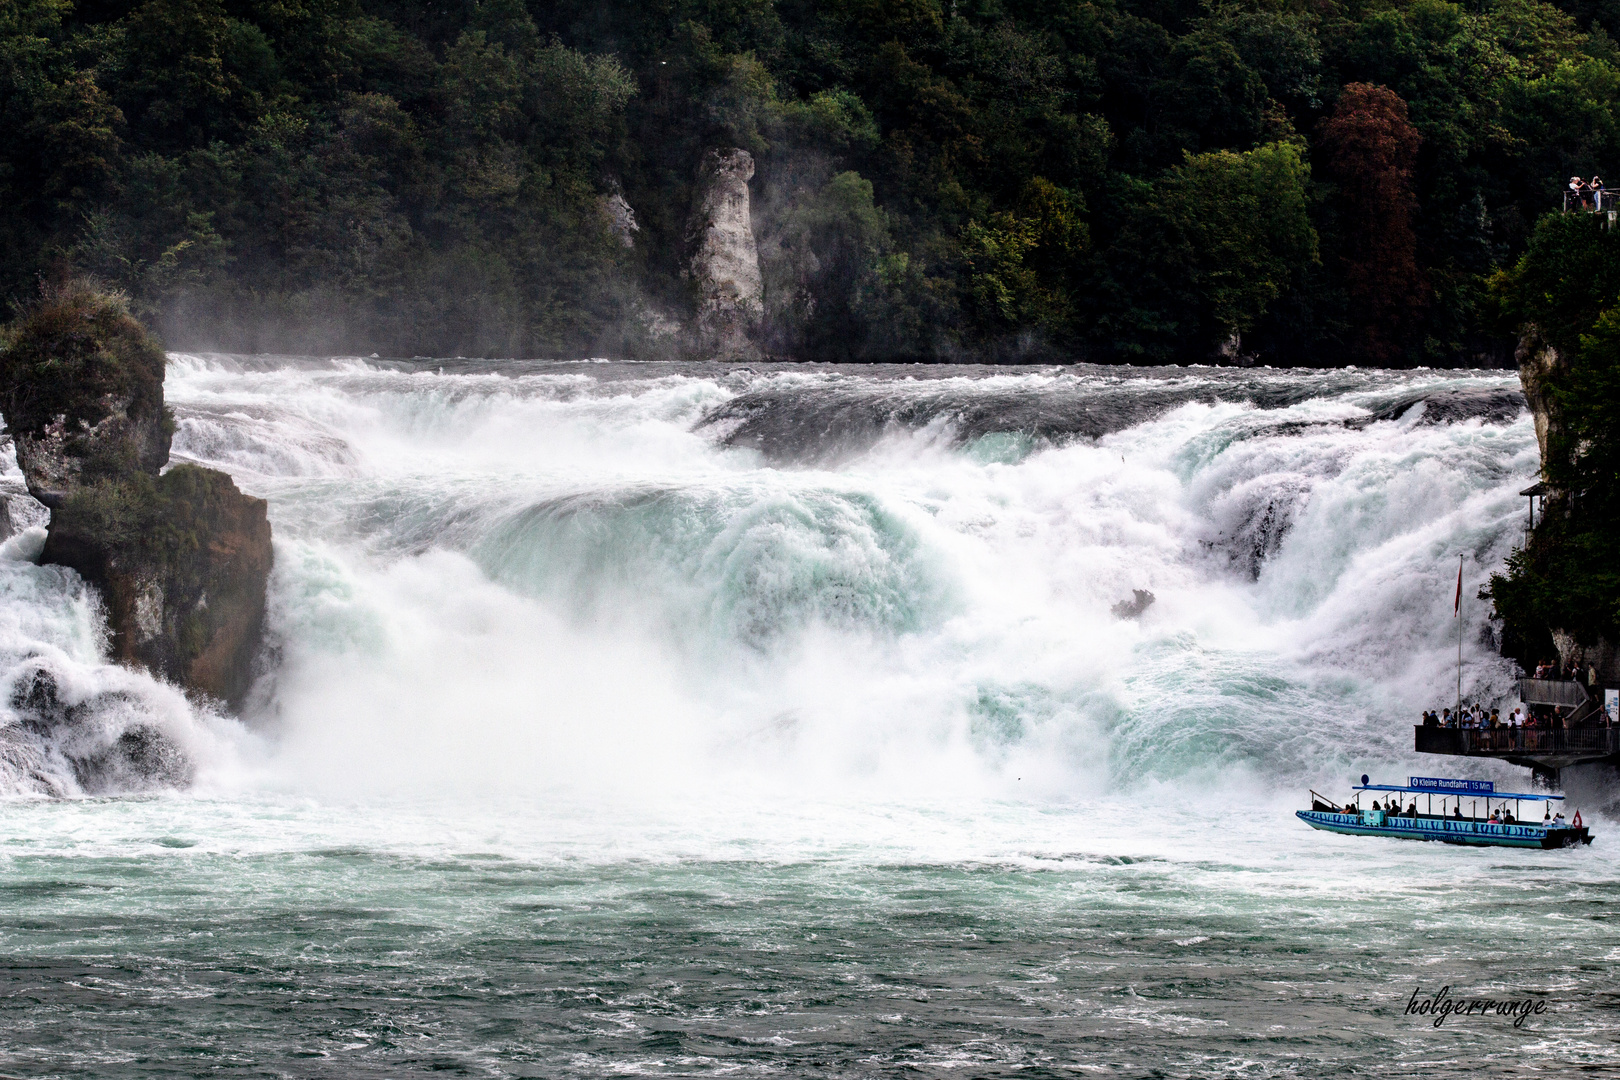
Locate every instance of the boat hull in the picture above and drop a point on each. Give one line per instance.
(1446, 830)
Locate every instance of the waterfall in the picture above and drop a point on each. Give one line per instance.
(601, 577)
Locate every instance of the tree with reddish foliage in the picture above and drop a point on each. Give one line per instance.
(1369, 148)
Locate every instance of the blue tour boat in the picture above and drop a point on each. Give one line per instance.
(1497, 828)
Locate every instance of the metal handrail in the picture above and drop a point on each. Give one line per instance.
(1598, 198)
(1597, 740)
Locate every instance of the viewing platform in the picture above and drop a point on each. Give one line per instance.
(1593, 201)
(1577, 739)
(1542, 749)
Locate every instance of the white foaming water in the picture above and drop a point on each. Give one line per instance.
(640, 719)
(561, 579)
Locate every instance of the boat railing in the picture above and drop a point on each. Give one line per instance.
(1323, 803)
(1597, 741)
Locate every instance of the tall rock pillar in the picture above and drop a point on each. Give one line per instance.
(723, 260)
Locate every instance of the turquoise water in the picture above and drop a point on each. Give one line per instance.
(184, 936)
(624, 720)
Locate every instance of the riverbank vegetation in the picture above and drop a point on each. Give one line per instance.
(1563, 295)
(1319, 182)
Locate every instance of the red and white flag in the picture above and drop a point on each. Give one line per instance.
(1456, 605)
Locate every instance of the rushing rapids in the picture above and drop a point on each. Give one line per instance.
(860, 570)
(651, 720)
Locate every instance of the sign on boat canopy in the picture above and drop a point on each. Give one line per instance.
(1465, 787)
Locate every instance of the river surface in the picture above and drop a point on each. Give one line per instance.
(637, 719)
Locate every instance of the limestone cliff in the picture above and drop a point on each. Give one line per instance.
(1538, 362)
(620, 217)
(723, 260)
(181, 559)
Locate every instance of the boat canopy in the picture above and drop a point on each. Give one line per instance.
(1480, 795)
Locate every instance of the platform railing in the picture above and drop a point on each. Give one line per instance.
(1593, 741)
(1586, 199)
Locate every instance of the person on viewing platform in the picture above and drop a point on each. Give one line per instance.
(1496, 719)
(1597, 193)
(1577, 188)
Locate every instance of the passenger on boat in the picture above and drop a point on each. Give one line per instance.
(1456, 812)
(1411, 809)
(1494, 819)
(1558, 820)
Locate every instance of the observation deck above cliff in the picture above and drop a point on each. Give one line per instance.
(1588, 200)
(1579, 741)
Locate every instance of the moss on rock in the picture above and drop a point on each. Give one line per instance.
(81, 388)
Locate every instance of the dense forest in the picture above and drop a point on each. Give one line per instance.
(1291, 181)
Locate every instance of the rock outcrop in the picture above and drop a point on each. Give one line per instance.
(621, 218)
(723, 260)
(1538, 362)
(83, 396)
(182, 558)
(181, 562)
